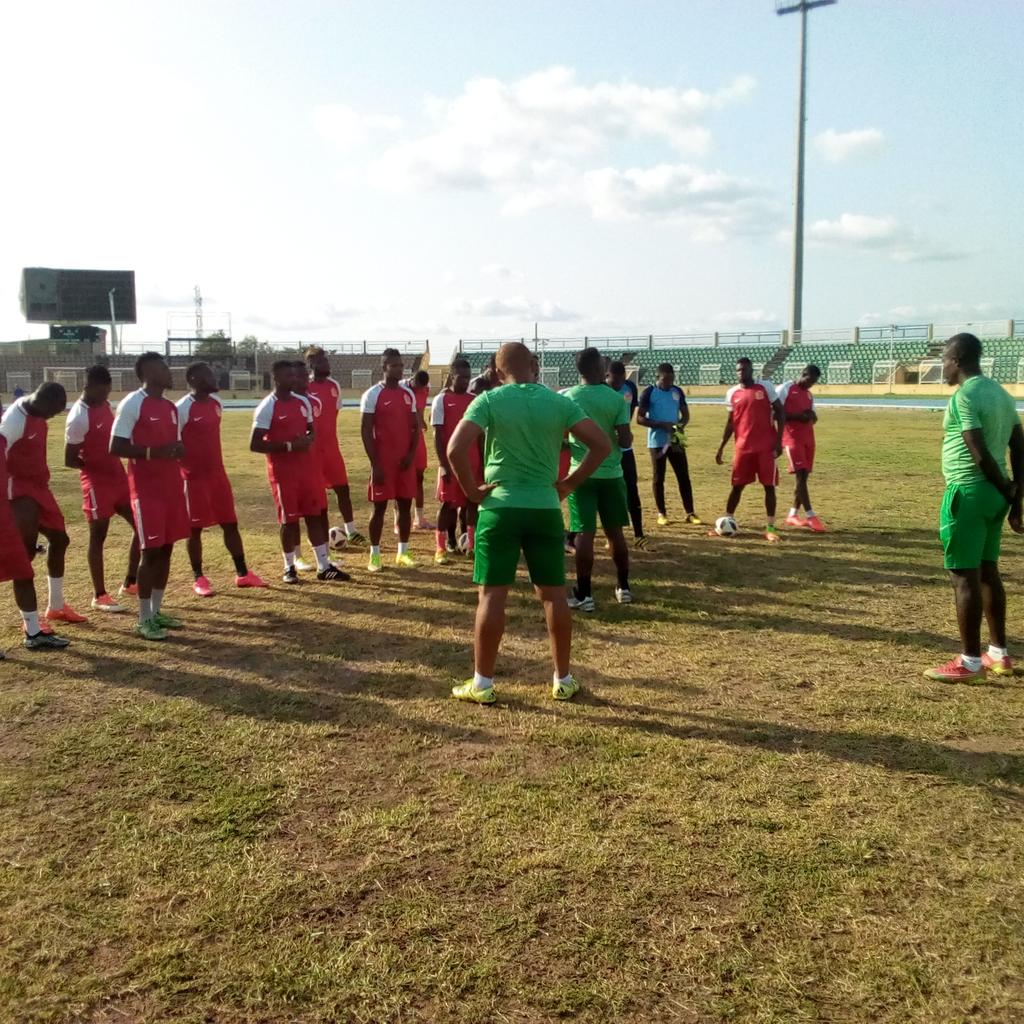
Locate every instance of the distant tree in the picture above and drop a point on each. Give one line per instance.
(214, 347)
(250, 345)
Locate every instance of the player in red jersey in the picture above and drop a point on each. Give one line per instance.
(211, 501)
(16, 568)
(420, 387)
(316, 409)
(33, 505)
(332, 464)
(798, 440)
(447, 410)
(756, 418)
(391, 433)
(282, 429)
(145, 432)
(104, 482)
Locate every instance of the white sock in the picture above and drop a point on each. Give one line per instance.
(350, 528)
(996, 652)
(145, 608)
(55, 589)
(482, 682)
(973, 664)
(375, 549)
(561, 679)
(419, 513)
(297, 553)
(810, 513)
(322, 558)
(403, 547)
(793, 511)
(157, 599)
(31, 622)
(289, 559)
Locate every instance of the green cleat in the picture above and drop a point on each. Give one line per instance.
(405, 561)
(565, 691)
(467, 691)
(355, 537)
(150, 630)
(167, 621)
(375, 564)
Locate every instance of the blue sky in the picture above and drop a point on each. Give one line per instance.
(336, 171)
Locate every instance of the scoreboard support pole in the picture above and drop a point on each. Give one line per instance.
(113, 324)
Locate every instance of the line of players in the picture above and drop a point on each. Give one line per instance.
(176, 484)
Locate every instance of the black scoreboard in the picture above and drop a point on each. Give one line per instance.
(77, 296)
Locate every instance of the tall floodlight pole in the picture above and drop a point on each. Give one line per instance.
(797, 299)
(113, 323)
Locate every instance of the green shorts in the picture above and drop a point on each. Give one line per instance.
(605, 498)
(502, 533)
(971, 524)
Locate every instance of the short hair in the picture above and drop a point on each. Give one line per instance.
(745, 359)
(282, 364)
(315, 351)
(388, 354)
(97, 375)
(421, 379)
(461, 363)
(513, 357)
(51, 391)
(589, 361)
(965, 347)
(192, 367)
(666, 368)
(144, 359)
(617, 366)
(814, 371)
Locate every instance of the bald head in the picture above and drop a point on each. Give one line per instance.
(961, 358)
(515, 361)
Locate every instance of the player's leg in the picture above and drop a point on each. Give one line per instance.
(636, 511)
(98, 530)
(343, 495)
(316, 529)
(681, 467)
(403, 558)
(26, 520)
(770, 504)
(161, 574)
(613, 512)
(558, 619)
(130, 585)
(35, 637)
(658, 465)
(289, 533)
(969, 609)
(801, 497)
(447, 517)
(733, 501)
(583, 525)
(993, 599)
(422, 523)
(468, 517)
(620, 556)
(236, 549)
(375, 529)
(194, 545)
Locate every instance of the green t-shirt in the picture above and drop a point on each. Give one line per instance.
(524, 425)
(606, 408)
(978, 404)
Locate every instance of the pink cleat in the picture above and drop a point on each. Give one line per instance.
(954, 672)
(997, 666)
(795, 521)
(815, 524)
(250, 579)
(65, 614)
(425, 524)
(202, 587)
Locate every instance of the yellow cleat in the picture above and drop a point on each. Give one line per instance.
(440, 558)
(694, 520)
(565, 691)
(375, 564)
(405, 561)
(467, 691)
(662, 520)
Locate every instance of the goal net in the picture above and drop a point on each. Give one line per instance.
(839, 373)
(67, 377)
(361, 379)
(710, 373)
(240, 380)
(19, 379)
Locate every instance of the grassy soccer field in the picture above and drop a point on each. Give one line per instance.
(756, 811)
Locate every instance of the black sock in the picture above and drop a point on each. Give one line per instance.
(241, 569)
(624, 580)
(130, 581)
(197, 570)
(451, 536)
(582, 586)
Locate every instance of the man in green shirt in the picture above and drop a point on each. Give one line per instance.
(981, 421)
(523, 424)
(604, 494)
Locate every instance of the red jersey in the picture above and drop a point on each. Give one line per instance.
(448, 409)
(422, 396)
(149, 422)
(199, 423)
(90, 427)
(392, 410)
(752, 421)
(285, 419)
(26, 444)
(795, 401)
(328, 393)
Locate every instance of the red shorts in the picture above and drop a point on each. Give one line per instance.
(750, 466)
(449, 492)
(50, 515)
(102, 498)
(160, 518)
(397, 483)
(800, 456)
(297, 497)
(420, 462)
(210, 500)
(14, 561)
(332, 467)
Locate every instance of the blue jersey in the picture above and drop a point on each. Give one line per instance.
(663, 405)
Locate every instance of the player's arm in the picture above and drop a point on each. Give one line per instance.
(121, 437)
(465, 437)
(258, 442)
(599, 447)
(73, 456)
(437, 422)
(780, 423)
(414, 439)
(1016, 517)
(684, 410)
(643, 408)
(624, 435)
(990, 469)
(75, 429)
(726, 434)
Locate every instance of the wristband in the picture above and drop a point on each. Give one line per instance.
(287, 446)
(147, 454)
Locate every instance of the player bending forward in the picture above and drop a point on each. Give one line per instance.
(522, 424)
(282, 429)
(445, 415)
(35, 510)
(145, 432)
(104, 482)
(798, 440)
(756, 420)
(207, 487)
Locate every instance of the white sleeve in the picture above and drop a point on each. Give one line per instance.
(437, 411)
(77, 425)
(12, 426)
(412, 394)
(184, 406)
(338, 386)
(264, 413)
(770, 388)
(728, 396)
(368, 403)
(127, 415)
(784, 391)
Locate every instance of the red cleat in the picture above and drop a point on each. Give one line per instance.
(65, 614)
(132, 590)
(815, 524)
(202, 587)
(795, 521)
(954, 672)
(997, 666)
(250, 579)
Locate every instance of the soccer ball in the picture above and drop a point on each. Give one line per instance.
(464, 542)
(726, 527)
(337, 538)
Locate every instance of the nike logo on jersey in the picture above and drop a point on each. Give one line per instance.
(154, 419)
(151, 538)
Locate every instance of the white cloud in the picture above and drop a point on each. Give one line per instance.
(345, 128)
(160, 299)
(500, 272)
(902, 243)
(838, 146)
(748, 318)
(322, 319)
(518, 306)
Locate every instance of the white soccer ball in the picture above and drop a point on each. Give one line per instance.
(726, 526)
(464, 542)
(337, 538)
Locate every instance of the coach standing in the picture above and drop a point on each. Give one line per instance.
(523, 424)
(981, 421)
